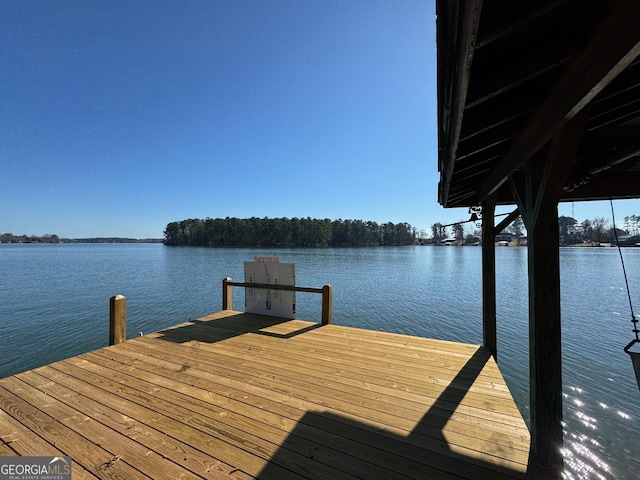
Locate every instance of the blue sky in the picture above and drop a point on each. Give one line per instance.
(117, 117)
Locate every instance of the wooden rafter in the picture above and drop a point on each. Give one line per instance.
(614, 45)
(505, 29)
(501, 82)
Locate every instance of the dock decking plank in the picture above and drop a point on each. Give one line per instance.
(138, 422)
(378, 457)
(250, 450)
(127, 450)
(166, 417)
(23, 442)
(332, 350)
(245, 421)
(327, 386)
(90, 456)
(382, 375)
(194, 368)
(437, 379)
(193, 357)
(244, 396)
(509, 433)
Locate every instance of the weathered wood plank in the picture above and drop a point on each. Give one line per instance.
(175, 367)
(5, 450)
(234, 446)
(151, 357)
(90, 456)
(502, 438)
(135, 421)
(420, 381)
(333, 458)
(420, 353)
(24, 442)
(243, 396)
(487, 399)
(231, 424)
(145, 460)
(195, 357)
(301, 349)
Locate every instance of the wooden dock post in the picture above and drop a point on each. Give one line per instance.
(327, 304)
(227, 294)
(117, 319)
(489, 331)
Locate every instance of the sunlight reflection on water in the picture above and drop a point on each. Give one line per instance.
(583, 453)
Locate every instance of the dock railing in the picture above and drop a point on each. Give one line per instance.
(326, 291)
(118, 304)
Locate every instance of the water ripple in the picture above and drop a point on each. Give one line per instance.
(55, 304)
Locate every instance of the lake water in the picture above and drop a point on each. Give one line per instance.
(54, 303)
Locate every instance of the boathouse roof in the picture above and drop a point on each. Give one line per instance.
(511, 75)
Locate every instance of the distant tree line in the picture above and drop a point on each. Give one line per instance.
(596, 230)
(11, 238)
(572, 232)
(111, 240)
(299, 232)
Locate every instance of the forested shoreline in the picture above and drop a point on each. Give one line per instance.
(49, 238)
(286, 232)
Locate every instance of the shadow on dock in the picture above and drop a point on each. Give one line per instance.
(243, 396)
(424, 453)
(228, 327)
(336, 443)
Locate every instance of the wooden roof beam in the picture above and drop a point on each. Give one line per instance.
(501, 81)
(614, 184)
(614, 45)
(454, 86)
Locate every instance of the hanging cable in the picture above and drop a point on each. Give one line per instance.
(634, 320)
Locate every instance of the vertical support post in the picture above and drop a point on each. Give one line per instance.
(544, 180)
(327, 304)
(227, 294)
(117, 319)
(489, 333)
(545, 364)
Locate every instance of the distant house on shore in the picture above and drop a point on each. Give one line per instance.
(628, 240)
(504, 237)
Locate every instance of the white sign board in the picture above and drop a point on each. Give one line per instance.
(273, 302)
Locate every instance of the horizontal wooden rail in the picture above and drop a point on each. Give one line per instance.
(326, 291)
(275, 286)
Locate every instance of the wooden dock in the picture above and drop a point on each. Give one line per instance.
(240, 396)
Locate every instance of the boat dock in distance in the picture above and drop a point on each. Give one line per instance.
(241, 396)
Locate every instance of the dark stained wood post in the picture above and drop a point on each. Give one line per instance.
(327, 304)
(227, 294)
(538, 200)
(489, 334)
(545, 366)
(117, 319)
